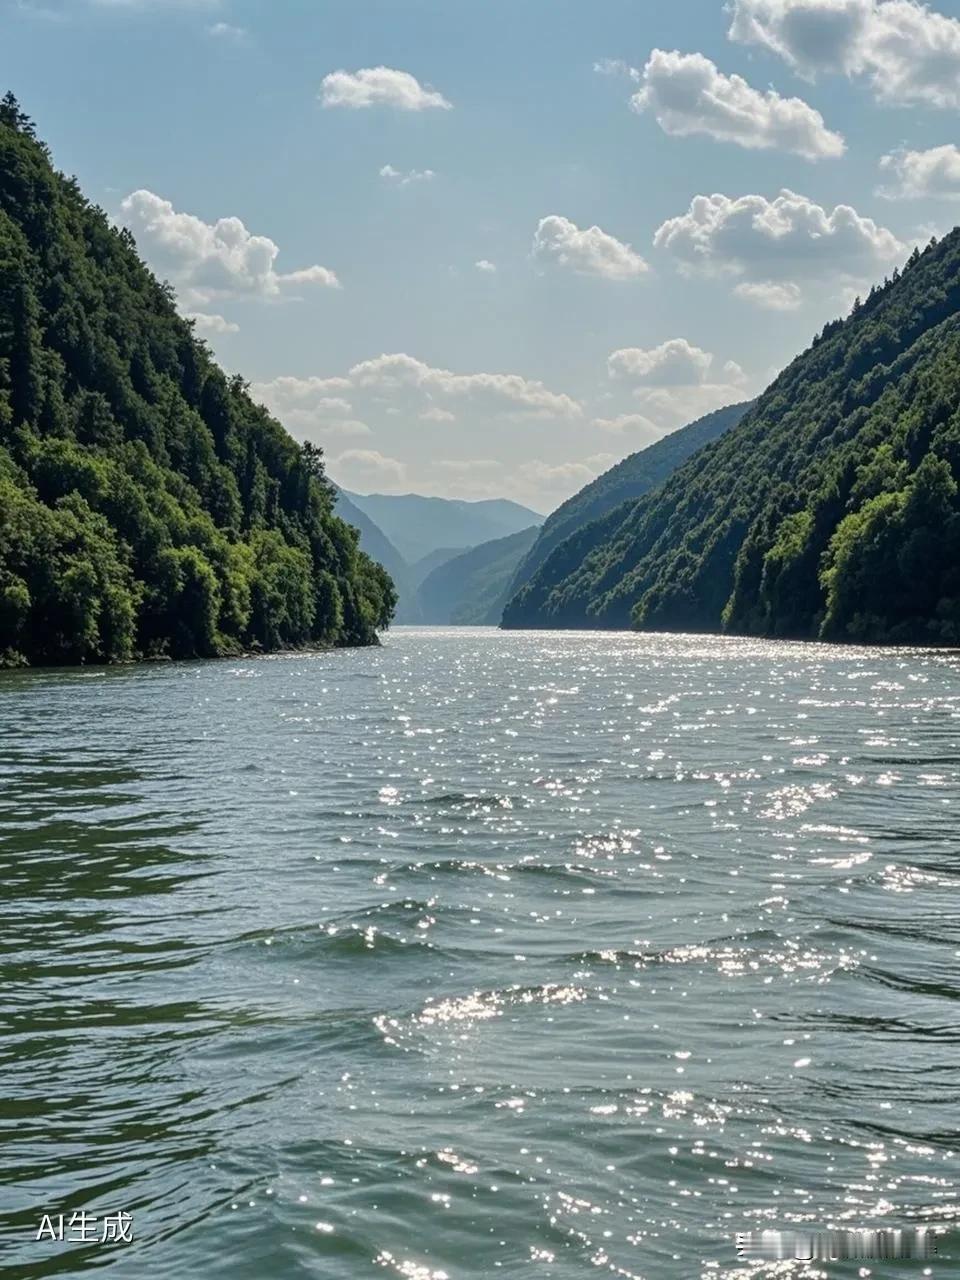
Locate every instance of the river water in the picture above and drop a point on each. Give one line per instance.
(535, 955)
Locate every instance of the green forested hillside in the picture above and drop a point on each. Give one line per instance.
(830, 511)
(471, 589)
(147, 505)
(631, 478)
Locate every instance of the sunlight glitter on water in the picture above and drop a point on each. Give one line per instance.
(480, 954)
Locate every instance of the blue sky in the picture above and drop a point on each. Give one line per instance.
(321, 178)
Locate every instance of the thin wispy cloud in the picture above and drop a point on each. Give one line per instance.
(228, 32)
(405, 178)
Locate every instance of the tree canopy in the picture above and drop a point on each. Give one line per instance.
(148, 507)
(636, 475)
(830, 511)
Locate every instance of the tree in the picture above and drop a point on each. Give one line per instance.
(13, 117)
(26, 382)
(147, 504)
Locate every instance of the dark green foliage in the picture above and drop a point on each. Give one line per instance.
(471, 588)
(147, 506)
(893, 565)
(631, 478)
(830, 511)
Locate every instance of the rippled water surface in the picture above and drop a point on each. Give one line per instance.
(545, 956)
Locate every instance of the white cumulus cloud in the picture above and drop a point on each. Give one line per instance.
(564, 477)
(769, 295)
(211, 260)
(366, 470)
(499, 391)
(917, 174)
(672, 407)
(208, 323)
(486, 266)
(788, 238)
(676, 382)
(908, 52)
(675, 363)
(380, 86)
(588, 251)
(635, 425)
(689, 95)
(311, 408)
(297, 390)
(322, 276)
(397, 386)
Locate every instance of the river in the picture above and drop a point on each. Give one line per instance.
(546, 956)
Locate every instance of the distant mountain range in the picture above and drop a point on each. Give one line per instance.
(473, 583)
(434, 560)
(414, 537)
(418, 526)
(471, 589)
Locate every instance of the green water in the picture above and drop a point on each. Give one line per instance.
(543, 956)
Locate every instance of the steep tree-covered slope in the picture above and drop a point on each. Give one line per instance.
(147, 505)
(830, 511)
(631, 478)
(418, 525)
(472, 588)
